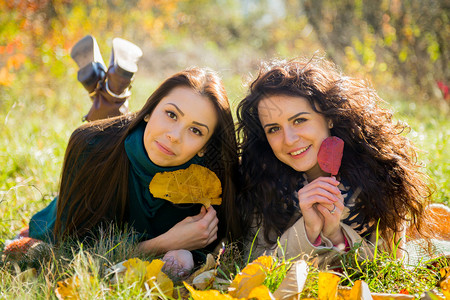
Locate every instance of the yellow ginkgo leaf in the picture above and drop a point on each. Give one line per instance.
(195, 184)
(251, 276)
(261, 293)
(360, 290)
(136, 270)
(149, 273)
(265, 261)
(68, 289)
(445, 287)
(207, 295)
(328, 284)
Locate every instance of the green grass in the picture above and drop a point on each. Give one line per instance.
(36, 119)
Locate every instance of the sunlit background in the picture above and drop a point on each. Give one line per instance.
(401, 47)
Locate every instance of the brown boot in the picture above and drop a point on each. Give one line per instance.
(112, 93)
(92, 69)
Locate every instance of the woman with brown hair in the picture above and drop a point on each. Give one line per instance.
(291, 107)
(109, 164)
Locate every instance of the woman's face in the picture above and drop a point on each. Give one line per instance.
(179, 127)
(294, 131)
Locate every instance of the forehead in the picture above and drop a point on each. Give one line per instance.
(193, 105)
(276, 107)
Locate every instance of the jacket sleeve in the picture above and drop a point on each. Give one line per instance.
(295, 244)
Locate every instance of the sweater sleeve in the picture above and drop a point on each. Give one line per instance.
(294, 244)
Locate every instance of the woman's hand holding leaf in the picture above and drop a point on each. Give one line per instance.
(322, 193)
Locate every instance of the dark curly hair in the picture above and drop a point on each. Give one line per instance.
(377, 156)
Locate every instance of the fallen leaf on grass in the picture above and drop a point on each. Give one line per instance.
(445, 286)
(328, 284)
(209, 264)
(69, 289)
(204, 280)
(207, 295)
(253, 275)
(195, 184)
(148, 273)
(261, 293)
(292, 285)
(360, 291)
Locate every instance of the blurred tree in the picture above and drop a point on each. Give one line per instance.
(410, 36)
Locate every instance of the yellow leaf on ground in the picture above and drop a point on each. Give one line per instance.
(360, 291)
(207, 295)
(261, 293)
(328, 284)
(195, 184)
(150, 273)
(68, 289)
(445, 287)
(265, 261)
(251, 276)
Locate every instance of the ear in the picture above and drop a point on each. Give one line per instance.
(201, 153)
(330, 124)
(147, 117)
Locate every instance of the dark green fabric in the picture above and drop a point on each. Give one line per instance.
(151, 216)
(147, 215)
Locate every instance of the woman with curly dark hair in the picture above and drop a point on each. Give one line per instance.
(291, 107)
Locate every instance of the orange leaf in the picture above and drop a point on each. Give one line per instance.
(328, 284)
(359, 291)
(195, 184)
(69, 289)
(445, 287)
(206, 295)
(253, 275)
(261, 293)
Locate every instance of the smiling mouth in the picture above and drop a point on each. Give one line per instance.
(164, 149)
(300, 151)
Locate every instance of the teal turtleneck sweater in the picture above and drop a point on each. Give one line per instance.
(147, 215)
(151, 216)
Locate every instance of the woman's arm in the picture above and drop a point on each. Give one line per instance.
(192, 233)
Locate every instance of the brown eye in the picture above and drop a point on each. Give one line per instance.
(299, 121)
(273, 129)
(171, 114)
(196, 131)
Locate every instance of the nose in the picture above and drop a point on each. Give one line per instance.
(290, 136)
(173, 135)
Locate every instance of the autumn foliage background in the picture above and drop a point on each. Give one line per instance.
(401, 47)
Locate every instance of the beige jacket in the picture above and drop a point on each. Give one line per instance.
(295, 244)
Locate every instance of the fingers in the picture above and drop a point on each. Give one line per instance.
(322, 190)
(199, 216)
(210, 214)
(327, 183)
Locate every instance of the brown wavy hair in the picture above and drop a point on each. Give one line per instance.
(377, 155)
(94, 180)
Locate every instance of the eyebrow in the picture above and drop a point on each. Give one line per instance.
(177, 108)
(201, 124)
(182, 114)
(289, 119)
